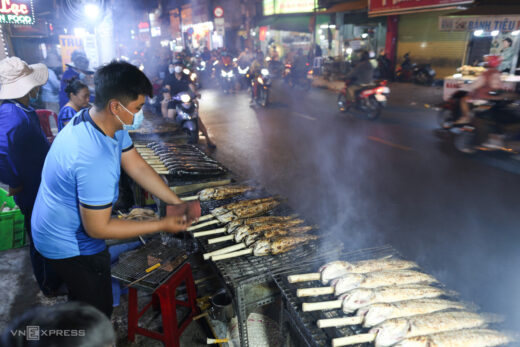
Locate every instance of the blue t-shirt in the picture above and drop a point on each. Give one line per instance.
(66, 114)
(82, 168)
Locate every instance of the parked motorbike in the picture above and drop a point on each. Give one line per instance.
(261, 84)
(299, 79)
(495, 126)
(422, 74)
(187, 115)
(370, 99)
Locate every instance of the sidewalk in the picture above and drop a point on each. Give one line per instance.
(408, 94)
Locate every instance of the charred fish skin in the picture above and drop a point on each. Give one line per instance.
(397, 329)
(459, 338)
(379, 279)
(262, 247)
(357, 298)
(379, 312)
(285, 243)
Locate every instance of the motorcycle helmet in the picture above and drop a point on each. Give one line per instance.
(493, 60)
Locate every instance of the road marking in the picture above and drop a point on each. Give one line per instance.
(304, 116)
(388, 143)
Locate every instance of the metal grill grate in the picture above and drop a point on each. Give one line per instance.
(305, 322)
(132, 265)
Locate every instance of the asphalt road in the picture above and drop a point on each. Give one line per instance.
(392, 181)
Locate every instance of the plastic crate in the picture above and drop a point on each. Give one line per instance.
(12, 229)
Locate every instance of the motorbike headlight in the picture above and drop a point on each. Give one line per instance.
(185, 98)
(230, 74)
(203, 64)
(223, 73)
(193, 76)
(235, 59)
(260, 80)
(264, 72)
(186, 71)
(268, 59)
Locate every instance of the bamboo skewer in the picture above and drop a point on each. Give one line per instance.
(352, 340)
(321, 306)
(221, 239)
(205, 218)
(303, 292)
(232, 255)
(339, 322)
(313, 276)
(190, 198)
(209, 232)
(202, 225)
(224, 250)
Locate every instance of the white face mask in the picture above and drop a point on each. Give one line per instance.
(178, 69)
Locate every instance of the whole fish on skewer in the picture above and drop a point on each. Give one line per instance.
(336, 269)
(368, 280)
(219, 193)
(360, 297)
(276, 232)
(377, 313)
(394, 330)
(459, 338)
(257, 229)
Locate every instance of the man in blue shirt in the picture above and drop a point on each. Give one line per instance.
(23, 147)
(72, 213)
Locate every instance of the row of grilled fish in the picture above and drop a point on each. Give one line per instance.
(401, 306)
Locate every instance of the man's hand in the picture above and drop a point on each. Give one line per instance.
(175, 224)
(14, 191)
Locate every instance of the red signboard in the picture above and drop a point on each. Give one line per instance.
(387, 7)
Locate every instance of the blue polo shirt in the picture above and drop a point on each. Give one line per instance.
(82, 168)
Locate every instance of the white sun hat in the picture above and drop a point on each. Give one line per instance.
(17, 78)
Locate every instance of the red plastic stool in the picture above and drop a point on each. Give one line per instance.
(164, 296)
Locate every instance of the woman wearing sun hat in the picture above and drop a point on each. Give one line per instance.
(23, 147)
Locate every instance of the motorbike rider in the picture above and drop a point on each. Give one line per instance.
(181, 83)
(361, 75)
(299, 66)
(255, 69)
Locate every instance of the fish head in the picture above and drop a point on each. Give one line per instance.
(241, 232)
(346, 283)
(233, 225)
(375, 314)
(334, 270)
(355, 299)
(391, 332)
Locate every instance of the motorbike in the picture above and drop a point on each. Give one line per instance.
(300, 79)
(494, 119)
(275, 67)
(261, 83)
(227, 78)
(370, 99)
(187, 115)
(422, 74)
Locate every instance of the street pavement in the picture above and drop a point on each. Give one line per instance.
(391, 181)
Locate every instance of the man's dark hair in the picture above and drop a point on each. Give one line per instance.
(69, 324)
(121, 81)
(508, 40)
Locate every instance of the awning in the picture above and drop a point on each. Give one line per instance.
(347, 6)
(298, 23)
(490, 8)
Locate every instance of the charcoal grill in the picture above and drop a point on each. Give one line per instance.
(304, 323)
(132, 265)
(250, 278)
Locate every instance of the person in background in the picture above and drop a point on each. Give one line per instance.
(79, 95)
(362, 74)
(81, 325)
(51, 89)
(77, 69)
(73, 210)
(507, 54)
(169, 75)
(206, 54)
(23, 147)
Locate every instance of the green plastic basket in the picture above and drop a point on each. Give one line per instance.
(12, 230)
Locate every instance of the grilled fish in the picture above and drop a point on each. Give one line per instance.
(337, 269)
(257, 220)
(379, 312)
(281, 244)
(458, 338)
(240, 204)
(379, 279)
(268, 234)
(246, 230)
(394, 330)
(248, 211)
(220, 193)
(361, 297)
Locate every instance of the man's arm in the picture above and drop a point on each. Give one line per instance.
(142, 173)
(99, 225)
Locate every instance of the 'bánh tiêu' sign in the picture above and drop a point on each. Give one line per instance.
(485, 23)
